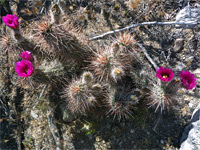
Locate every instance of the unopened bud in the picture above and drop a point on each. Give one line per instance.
(87, 77)
(117, 73)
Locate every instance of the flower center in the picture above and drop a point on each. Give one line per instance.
(9, 21)
(165, 76)
(188, 82)
(26, 70)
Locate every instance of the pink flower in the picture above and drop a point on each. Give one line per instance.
(164, 74)
(188, 80)
(26, 55)
(11, 21)
(24, 68)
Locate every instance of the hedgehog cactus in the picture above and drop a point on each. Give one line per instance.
(126, 39)
(12, 21)
(55, 13)
(120, 102)
(124, 47)
(79, 94)
(164, 93)
(103, 64)
(158, 97)
(14, 41)
(120, 75)
(60, 41)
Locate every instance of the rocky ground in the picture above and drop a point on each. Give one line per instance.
(27, 111)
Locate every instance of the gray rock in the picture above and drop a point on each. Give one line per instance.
(188, 14)
(197, 92)
(132, 131)
(178, 46)
(197, 72)
(67, 116)
(161, 141)
(197, 75)
(35, 114)
(190, 139)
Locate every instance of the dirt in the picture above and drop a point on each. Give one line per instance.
(91, 131)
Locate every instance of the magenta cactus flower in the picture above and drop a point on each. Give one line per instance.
(188, 80)
(26, 55)
(11, 21)
(164, 74)
(24, 68)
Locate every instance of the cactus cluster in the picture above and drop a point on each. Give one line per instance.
(108, 77)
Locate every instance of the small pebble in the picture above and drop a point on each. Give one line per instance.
(108, 146)
(132, 131)
(34, 114)
(161, 141)
(197, 92)
(190, 105)
(178, 45)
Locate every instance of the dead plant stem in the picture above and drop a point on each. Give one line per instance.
(147, 56)
(184, 24)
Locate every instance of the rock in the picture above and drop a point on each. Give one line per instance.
(190, 105)
(197, 92)
(108, 145)
(197, 75)
(34, 114)
(197, 72)
(188, 14)
(180, 66)
(190, 139)
(178, 46)
(67, 116)
(161, 141)
(132, 131)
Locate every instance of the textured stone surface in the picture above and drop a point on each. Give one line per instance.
(191, 136)
(178, 45)
(67, 116)
(188, 14)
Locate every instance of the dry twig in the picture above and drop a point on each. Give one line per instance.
(147, 56)
(54, 130)
(183, 24)
(41, 94)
